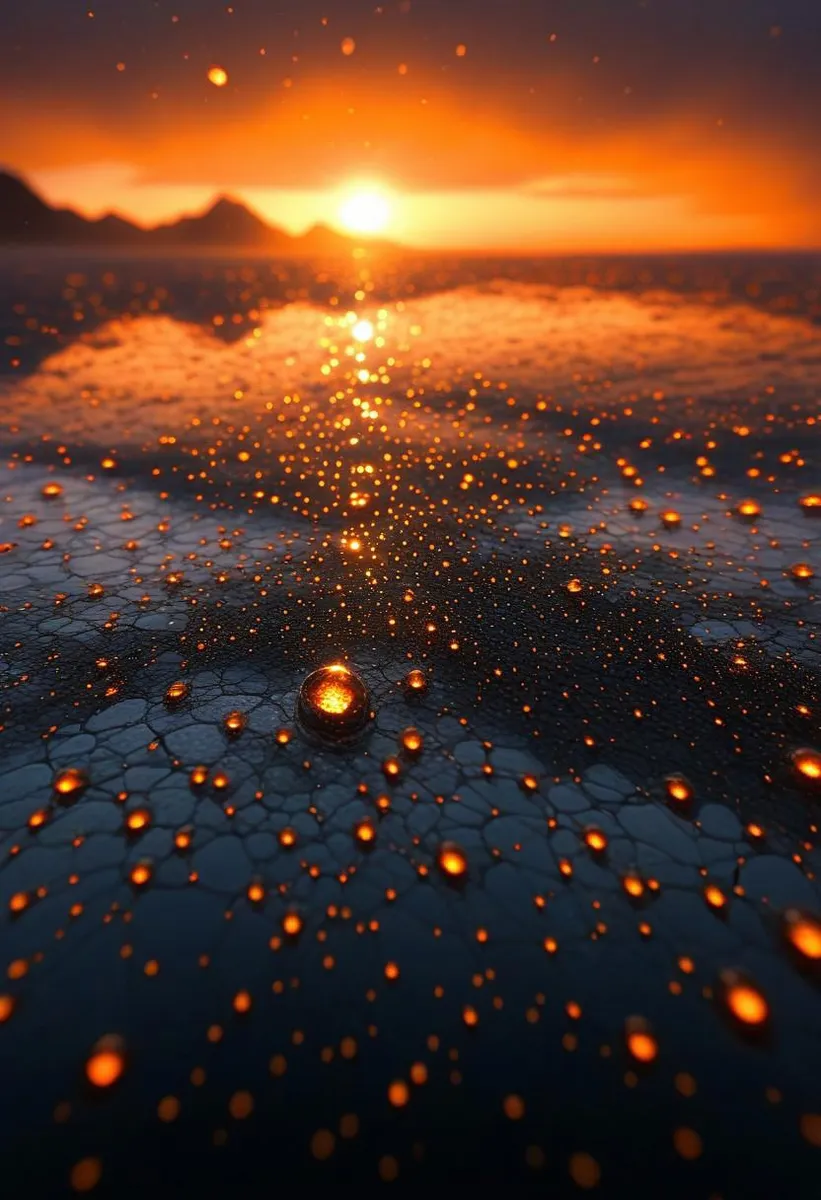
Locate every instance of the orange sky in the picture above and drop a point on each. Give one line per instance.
(517, 157)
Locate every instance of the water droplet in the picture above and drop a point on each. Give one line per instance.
(334, 701)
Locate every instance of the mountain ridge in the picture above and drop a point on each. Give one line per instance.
(26, 219)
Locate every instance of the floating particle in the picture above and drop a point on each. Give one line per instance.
(638, 505)
(640, 1039)
(347, 46)
(334, 702)
(670, 519)
(51, 491)
(218, 76)
(106, 1063)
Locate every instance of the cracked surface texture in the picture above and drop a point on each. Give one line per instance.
(551, 920)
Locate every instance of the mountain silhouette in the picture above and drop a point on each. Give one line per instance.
(26, 219)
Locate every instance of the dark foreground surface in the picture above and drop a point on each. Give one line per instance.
(225, 476)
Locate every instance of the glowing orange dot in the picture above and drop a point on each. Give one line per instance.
(347, 46)
(596, 840)
(18, 902)
(399, 1093)
(106, 1062)
(452, 860)
(470, 1015)
(574, 586)
(287, 837)
(416, 681)
(744, 1000)
(292, 924)
(802, 571)
(811, 505)
(670, 518)
(242, 1002)
(808, 763)
(749, 509)
(640, 1040)
(6, 1007)
(71, 782)
(137, 820)
(365, 832)
(50, 491)
(803, 933)
(141, 873)
(218, 76)
(86, 1174)
(234, 722)
(714, 896)
(412, 740)
(198, 776)
(256, 892)
(678, 788)
(176, 692)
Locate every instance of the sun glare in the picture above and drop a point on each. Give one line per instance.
(365, 210)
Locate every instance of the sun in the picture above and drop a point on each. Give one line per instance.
(365, 210)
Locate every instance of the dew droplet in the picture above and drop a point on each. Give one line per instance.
(334, 701)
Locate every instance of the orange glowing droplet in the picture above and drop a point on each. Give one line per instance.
(283, 737)
(256, 892)
(234, 722)
(51, 491)
(802, 571)
(529, 783)
(749, 509)
(365, 832)
(6, 1007)
(334, 701)
(71, 783)
(640, 1039)
(391, 768)
(416, 682)
(638, 505)
(412, 741)
(811, 505)
(19, 902)
(176, 692)
(292, 924)
(678, 788)
(347, 46)
(287, 837)
(141, 873)
(670, 518)
(106, 1063)
(218, 76)
(399, 1093)
(138, 820)
(574, 586)
(470, 1016)
(714, 896)
(242, 1002)
(452, 861)
(803, 932)
(595, 840)
(744, 1000)
(198, 776)
(808, 763)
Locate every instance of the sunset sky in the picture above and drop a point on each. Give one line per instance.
(494, 124)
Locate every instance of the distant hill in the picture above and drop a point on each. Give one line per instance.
(26, 220)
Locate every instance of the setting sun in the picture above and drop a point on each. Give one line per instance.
(365, 210)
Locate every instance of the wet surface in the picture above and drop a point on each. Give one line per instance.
(547, 916)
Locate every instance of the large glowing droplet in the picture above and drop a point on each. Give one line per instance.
(334, 701)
